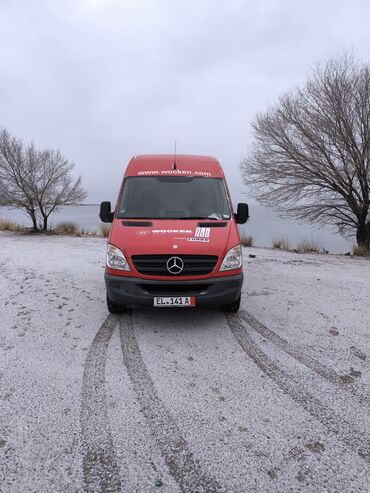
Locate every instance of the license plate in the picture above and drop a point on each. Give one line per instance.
(174, 301)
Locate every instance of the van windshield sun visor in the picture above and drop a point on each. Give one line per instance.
(145, 197)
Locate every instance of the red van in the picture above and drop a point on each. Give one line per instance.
(174, 241)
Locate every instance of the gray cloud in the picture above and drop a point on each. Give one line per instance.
(103, 80)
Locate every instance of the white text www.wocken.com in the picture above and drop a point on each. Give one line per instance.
(173, 172)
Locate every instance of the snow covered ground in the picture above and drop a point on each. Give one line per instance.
(276, 398)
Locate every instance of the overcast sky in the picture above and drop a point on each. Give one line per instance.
(103, 80)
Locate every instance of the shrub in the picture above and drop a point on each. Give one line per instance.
(280, 244)
(306, 246)
(247, 241)
(85, 232)
(7, 225)
(104, 230)
(360, 251)
(67, 228)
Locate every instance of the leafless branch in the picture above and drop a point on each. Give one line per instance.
(37, 181)
(311, 152)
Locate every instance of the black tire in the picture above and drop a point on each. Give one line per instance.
(232, 307)
(114, 307)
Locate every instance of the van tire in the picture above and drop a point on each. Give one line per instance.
(232, 307)
(114, 307)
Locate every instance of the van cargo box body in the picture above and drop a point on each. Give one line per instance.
(173, 239)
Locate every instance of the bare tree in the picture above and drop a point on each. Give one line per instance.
(53, 185)
(311, 152)
(15, 175)
(37, 181)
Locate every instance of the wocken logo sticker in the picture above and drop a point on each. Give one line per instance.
(176, 172)
(201, 235)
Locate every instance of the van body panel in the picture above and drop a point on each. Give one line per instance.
(162, 164)
(153, 240)
(170, 237)
(134, 291)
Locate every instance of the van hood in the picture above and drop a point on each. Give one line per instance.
(158, 236)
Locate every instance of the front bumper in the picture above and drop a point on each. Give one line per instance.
(213, 291)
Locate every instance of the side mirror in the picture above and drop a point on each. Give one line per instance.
(242, 215)
(105, 212)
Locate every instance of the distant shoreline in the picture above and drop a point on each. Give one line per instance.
(80, 205)
(264, 226)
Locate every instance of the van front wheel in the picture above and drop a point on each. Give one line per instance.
(232, 307)
(114, 307)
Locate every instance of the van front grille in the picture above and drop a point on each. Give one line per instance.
(156, 265)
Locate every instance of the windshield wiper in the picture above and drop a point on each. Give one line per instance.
(168, 218)
(195, 217)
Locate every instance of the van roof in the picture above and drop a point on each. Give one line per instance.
(163, 164)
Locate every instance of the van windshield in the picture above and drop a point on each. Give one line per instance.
(173, 197)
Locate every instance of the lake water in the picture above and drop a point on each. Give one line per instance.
(263, 225)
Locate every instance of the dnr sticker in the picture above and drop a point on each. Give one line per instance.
(202, 232)
(201, 235)
(200, 240)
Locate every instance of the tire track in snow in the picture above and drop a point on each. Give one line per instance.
(302, 357)
(181, 464)
(358, 441)
(100, 470)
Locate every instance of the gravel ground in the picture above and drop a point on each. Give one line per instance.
(276, 398)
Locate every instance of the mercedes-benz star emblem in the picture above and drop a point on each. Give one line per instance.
(175, 265)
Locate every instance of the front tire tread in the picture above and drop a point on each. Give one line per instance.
(115, 307)
(232, 307)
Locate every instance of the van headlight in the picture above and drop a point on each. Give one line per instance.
(116, 259)
(233, 259)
